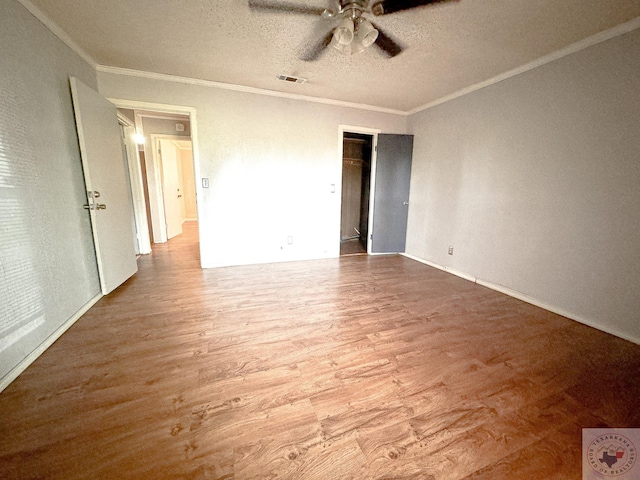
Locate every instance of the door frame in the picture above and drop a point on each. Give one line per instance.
(137, 187)
(342, 129)
(195, 144)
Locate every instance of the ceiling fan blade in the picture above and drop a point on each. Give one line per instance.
(384, 7)
(284, 7)
(314, 52)
(388, 45)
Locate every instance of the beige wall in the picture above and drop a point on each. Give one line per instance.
(48, 269)
(535, 181)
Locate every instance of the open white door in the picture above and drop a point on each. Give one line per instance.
(171, 188)
(109, 201)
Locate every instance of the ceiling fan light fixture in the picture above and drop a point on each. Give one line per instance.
(366, 33)
(349, 43)
(354, 32)
(356, 47)
(343, 34)
(343, 49)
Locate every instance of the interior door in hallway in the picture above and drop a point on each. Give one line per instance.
(172, 188)
(109, 196)
(391, 197)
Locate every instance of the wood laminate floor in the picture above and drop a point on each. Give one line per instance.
(352, 247)
(352, 368)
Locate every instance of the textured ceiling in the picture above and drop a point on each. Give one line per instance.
(448, 46)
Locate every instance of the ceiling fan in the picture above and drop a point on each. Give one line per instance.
(353, 32)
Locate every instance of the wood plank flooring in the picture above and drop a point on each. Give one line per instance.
(353, 368)
(352, 247)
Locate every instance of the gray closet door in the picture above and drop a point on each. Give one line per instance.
(391, 197)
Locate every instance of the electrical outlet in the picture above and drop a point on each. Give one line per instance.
(290, 240)
(450, 249)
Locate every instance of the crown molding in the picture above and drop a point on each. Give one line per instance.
(563, 52)
(58, 32)
(241, 88)
(558, 54)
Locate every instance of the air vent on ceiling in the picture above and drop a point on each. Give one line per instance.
(289, 78)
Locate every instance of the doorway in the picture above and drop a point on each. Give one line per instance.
(357, 156)
(174, 159)
(167, 161)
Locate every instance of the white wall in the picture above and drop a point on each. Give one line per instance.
(535, 181)
(48, 271)
(270, 163)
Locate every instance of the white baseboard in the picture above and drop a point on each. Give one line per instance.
(457, 273)
(530, 300)
(29, 359)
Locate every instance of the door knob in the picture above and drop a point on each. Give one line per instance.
(101, 206)
(405, 203)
